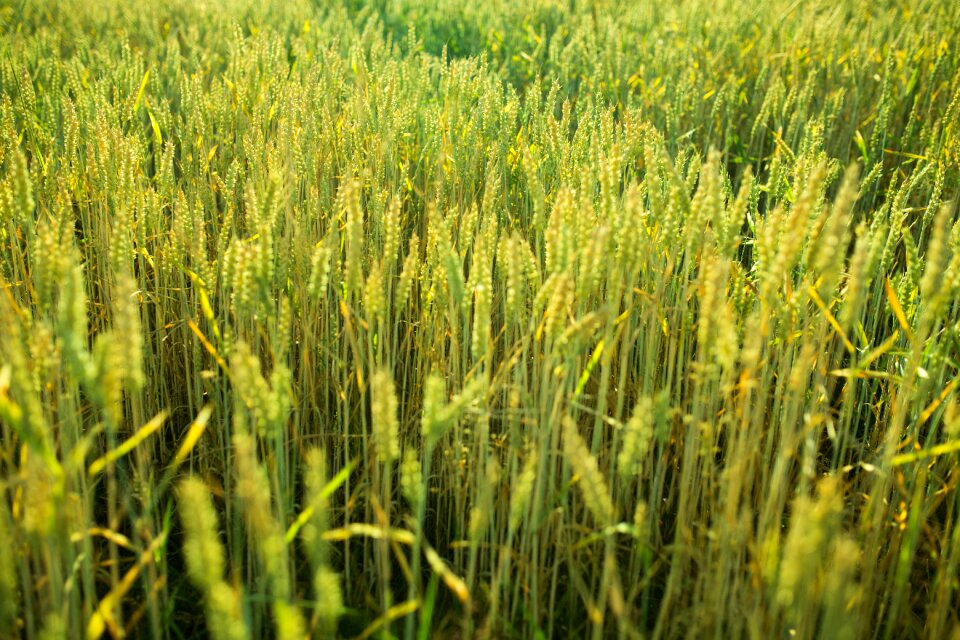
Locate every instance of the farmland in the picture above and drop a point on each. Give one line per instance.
(413, 319)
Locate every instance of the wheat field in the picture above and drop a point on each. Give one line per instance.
(457, 319)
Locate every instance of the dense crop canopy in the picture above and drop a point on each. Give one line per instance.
(406, 318)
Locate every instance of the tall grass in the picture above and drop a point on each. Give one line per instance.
(414, 319)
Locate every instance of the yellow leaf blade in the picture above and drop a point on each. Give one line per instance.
(194, 433)
(453, 582)
(207, 345)
(831, 319)
(369, 531)
(932, 452)
(325, 493)
(128, 445)
(103, 616)
(897, 308)
(143, 87)
(394, 612)
(938, 400)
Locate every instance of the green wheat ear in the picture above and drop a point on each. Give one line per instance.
(202, 548)
(592, 484)
(384, 412)
(206, 561)
(326, 582)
